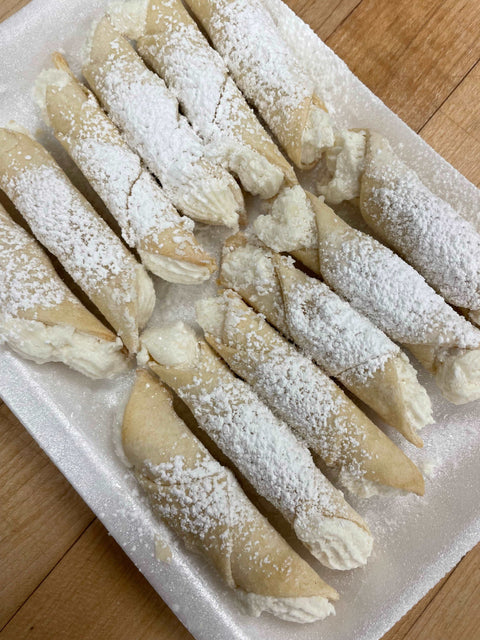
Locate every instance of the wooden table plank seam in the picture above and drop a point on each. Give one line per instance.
(45, 577)
(344, 19)
(450, 93)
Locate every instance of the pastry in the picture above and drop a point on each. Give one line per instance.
(262, 447)
(67, 225)
(140, 104)
(387, 290)
(172, 44)
(346, 345)
(148, 221)
(403, 214)
(204, 504)
(362, 457)
(39, 316)
(266, 71)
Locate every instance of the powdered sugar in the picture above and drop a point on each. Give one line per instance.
(198, 77)
(258, 58)
(334, 334)
(127, 189)
(326, 327)
(422, 227)
(288, 382)
(261, 446)
(392, 294)
(26, 280)
(63, 221)
(139, 103)
(199, 499)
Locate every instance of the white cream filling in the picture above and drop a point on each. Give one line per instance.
(90, 355)
(130, 18)
(145, 297)
(210, 315)
(418, 406)
(290, 225)
(365, 488)
(317, 136)
(302, 609)
(257, 175)
(338, 543)
(459, 377)
(216, 201)
(171, 345)
(49, 78)
(345, 161)
(173, 270)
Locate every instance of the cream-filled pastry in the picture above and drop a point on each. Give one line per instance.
(267, 72)
(68, 226)
(139, 103)
(149, 222)
(204, 504)
(41, 319)
(299, 393)
(262, 447)
(345, 344)
(173, 45)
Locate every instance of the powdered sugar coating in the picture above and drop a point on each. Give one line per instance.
(127, 189)
(198, 499)
(259, 59)
(261, 446)
(64, 222)
(268, 74)
(26, 282)
(328, 328)
(194, 72)
(288, 382)
(324, 326)
(424, 229)
(140, 104)
(392, 294)
(199, 78)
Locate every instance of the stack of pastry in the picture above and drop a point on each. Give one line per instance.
(41, 319)
(204, 504)
(140, 104)
(148, 220)
(67, 225)
(260, 382)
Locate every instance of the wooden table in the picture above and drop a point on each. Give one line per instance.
(61, 575)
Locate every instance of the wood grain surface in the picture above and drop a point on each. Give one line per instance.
(61, 575)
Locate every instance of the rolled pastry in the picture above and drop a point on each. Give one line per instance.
(41, 319)
(297, 391)
(342, 342)
(149, 222)
(140, 104)
(172, 44)
(204, 504)
(261, 446)
(67, 225)
(267, 72)
(386, 290)
(421, 227)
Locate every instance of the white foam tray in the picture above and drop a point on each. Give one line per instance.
(72, 418)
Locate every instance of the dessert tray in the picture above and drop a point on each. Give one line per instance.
(76, 420)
